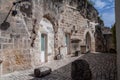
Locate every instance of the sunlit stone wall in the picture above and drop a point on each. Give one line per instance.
(20, 43)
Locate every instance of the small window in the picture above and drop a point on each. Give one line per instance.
(42, 42)
(67, 39)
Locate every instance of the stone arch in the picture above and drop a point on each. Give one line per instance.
(91, 34)
(46, 39)
(52, 20)
(89, 40)
(45, 28)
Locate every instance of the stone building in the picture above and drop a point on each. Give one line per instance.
(43, 30)
(108, 39)
(117, 13)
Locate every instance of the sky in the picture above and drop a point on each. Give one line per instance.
(106, 9)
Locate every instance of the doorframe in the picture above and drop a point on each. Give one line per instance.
(88, 41)
(46, 46)
(68, 44)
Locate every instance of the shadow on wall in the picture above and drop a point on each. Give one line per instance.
(80, 70)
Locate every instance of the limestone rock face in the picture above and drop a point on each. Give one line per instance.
(86, 9)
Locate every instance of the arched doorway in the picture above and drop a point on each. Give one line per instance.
(88, 42)
(46, 39)
(54, 21)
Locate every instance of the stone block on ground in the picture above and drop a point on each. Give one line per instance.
(42, 71)
(80, 70)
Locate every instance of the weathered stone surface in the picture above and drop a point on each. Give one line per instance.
(15, 60)
(21, 42)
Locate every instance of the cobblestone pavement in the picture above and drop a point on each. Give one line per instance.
(103, 67)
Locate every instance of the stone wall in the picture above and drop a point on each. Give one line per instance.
(117, 10)
(15, 41)
(74, 23)
(108, 37)
(20, 43)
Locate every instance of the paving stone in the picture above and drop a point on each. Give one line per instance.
(102, 66)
